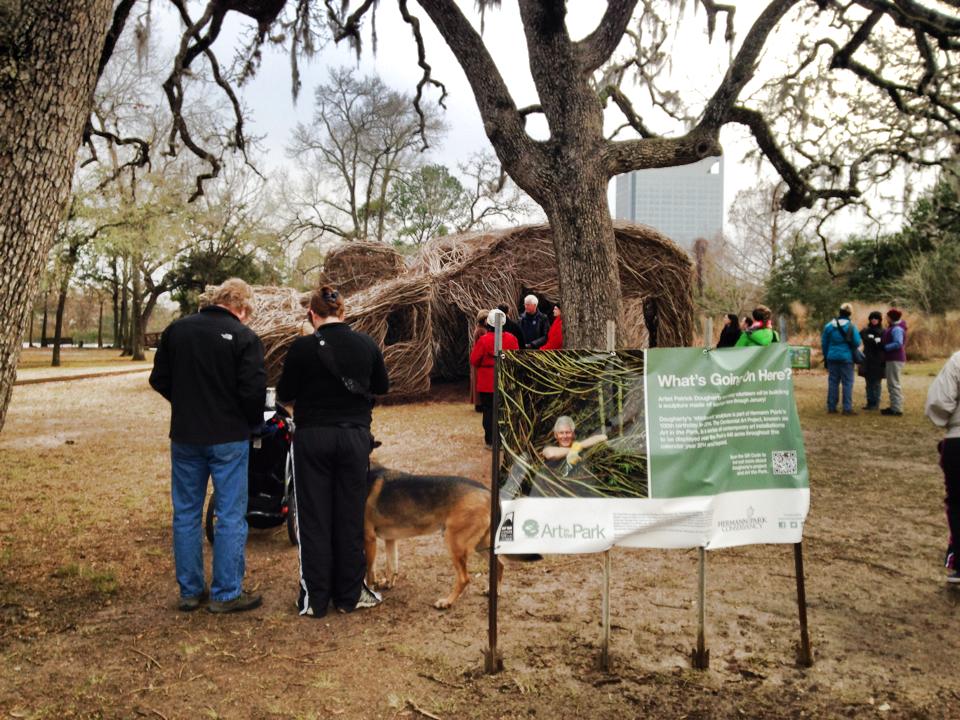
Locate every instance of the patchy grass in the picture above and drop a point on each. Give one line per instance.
(31, 358)
(88, 626)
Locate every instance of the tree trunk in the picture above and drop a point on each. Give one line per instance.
(136, 314)
(58, 323)
(124, 339)
(43, 326)
(48, 69)
(115, 297)
(100, 326)
(586, 253)
(30, 331)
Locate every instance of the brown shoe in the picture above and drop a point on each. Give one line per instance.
(244, 601)
(189, 604)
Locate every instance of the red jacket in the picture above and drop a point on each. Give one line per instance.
(554, 336)
(482, 358)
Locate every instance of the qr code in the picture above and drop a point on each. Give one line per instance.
(784, 462)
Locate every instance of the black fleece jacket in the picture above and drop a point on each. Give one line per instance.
(321, 398)
(210, 367)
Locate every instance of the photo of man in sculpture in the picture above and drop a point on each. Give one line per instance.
(546, 398)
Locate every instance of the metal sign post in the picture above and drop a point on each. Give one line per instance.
(493, 663)
(700, 656)
(805, 654)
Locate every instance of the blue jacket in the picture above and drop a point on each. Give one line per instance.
(834, 343)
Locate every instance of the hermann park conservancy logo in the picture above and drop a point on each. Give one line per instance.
(751, 522)
(531, 528)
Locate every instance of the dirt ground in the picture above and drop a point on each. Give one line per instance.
(88, 626)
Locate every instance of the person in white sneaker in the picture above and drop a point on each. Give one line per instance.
(943, 409)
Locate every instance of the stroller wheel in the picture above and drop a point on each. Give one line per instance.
(292, 520)
(210, 520)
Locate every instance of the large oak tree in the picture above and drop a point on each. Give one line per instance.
(836, 94)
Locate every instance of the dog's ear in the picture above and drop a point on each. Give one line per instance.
(375, 444)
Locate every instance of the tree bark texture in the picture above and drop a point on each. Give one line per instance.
(100, 326)
(49, 52)
(136, 315)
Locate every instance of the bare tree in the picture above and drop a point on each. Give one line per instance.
(761, 227)
(492, 194)
(363, 137)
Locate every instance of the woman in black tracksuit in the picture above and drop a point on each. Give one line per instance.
(331, 377)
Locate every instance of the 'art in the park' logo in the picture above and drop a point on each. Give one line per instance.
(752, 521)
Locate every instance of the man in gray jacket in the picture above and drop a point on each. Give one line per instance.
(943, 409)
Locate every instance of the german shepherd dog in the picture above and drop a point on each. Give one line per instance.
(400, 505)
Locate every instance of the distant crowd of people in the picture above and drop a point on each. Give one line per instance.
(882, 356)
(534, 331)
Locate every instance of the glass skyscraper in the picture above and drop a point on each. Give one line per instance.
(684, 202)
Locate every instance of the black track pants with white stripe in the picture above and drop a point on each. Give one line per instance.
(330, 482)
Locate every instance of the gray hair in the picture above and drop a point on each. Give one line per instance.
(564, 422)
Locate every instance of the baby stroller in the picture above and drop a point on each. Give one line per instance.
(271, 501)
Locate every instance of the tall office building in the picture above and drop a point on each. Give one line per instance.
(684, 202)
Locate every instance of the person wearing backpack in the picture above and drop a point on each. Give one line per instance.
(331, 377)
(840, 343)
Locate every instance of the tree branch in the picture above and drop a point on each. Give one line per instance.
(743, 67)
(801, 194)
(595, 49)
(414, 24)
(503, 123)
(626, 155)
(626, 107)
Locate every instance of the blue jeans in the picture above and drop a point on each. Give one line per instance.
(839, 373)
(191, 465)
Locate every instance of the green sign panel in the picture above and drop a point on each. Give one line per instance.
(800, 357)
(723, 420)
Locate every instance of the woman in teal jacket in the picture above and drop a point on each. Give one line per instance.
(839, 338)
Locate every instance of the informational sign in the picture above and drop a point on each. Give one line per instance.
(800, 357)
(664, 448)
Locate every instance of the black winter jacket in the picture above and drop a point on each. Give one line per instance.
(321, 398)
(210, 367)
(873, 367)
(534, 328)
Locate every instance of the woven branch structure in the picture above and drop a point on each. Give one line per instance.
(479, 271)
(422, 315)
(355, 266)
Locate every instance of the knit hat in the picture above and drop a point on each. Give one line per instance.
(875, 315)
(894, 314)
(492, 317)
(846, 309)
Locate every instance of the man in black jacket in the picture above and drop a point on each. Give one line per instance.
(210, 367)
(534, 324)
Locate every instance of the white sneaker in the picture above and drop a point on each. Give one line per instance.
(954, 577)
(368, 599)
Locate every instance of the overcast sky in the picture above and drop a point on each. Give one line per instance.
(696, 71)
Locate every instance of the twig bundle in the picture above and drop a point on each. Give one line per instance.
(477, 271)
(355, 266)
(422, 316)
